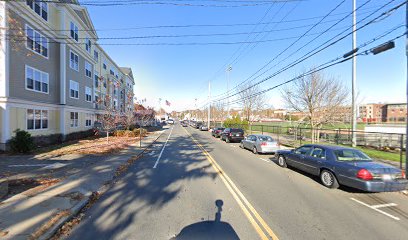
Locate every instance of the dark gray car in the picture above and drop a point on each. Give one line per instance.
(346, 166)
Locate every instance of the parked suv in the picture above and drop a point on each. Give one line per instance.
(232, 135)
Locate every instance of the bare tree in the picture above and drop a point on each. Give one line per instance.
(320, 96)
(110, 117)
(251, 100)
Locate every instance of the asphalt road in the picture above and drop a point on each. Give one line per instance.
(198, 187)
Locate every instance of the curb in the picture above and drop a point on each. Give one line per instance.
(81, 204)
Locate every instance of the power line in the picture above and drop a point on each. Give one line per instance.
(200, 25)
(170, 3)
(312, 53)
(331, 62)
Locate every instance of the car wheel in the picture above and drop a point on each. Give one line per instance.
(328, 179)
(241, 145)
(254, 150)
(282, 161)
(227, 140)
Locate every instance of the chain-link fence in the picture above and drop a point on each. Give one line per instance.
(295, 136)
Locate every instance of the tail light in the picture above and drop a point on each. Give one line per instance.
(230, 134)
(364, 174)
(264, 144)
(403, 174)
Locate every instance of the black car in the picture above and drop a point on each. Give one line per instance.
(184, 124)
(198, 125)
(217, 132)
(232, 135)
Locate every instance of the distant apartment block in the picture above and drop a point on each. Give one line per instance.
(377, 113)
(54, 77)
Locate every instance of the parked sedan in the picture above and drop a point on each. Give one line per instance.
(260, 144)
(232, 135)
(204, 127)
(346, 166)
(217, 132)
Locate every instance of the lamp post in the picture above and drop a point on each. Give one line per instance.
(354, 79)
(229, 69)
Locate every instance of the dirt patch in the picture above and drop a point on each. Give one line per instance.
(40, 231)
(66, 229)
(29, 186)
(92, 146)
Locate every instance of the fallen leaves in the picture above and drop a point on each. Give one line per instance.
(3, 233)
(44, 228)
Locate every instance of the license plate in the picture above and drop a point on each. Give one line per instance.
(386, 177)
(236, 135)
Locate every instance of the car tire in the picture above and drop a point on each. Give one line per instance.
(227, 140)
(254, 150)
(241, 145)
(282, 161)
(328, 179)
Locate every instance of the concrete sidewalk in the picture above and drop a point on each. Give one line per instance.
(37, 213)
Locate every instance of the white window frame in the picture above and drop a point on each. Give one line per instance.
(73, 85)
(39, 39)
(44, 78)
(88, 45)
(96, 56)
(88, 68)
(43, 112)
(72, 64)
(74, 122)
(43, 8)
(88, 120)
(73, 27)
(88, 94)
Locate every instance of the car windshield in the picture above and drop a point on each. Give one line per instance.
(265, 139)
(237, 130)
(351, 155)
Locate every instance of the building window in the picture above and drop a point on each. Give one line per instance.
(39, 7)
(96, 56)
(74, 119)
(73, 89)
(74, 61)
(36, 80)
(88, 69)
(36, 42)
(112, 72)
(104, 65)
(88, 45)
(74, 31)
(96, 77)
(37, 119)
(88, 120)
(88, 94)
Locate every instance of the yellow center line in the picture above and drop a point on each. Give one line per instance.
(231, 187)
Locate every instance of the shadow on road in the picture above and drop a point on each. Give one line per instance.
(209, 230)
(144, 190)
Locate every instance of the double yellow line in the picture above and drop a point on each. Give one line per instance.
(259, 224)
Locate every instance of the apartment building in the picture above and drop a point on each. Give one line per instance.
(54, 77)
(372, 113)
(396, 112)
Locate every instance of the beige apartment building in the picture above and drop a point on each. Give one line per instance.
(54, 77)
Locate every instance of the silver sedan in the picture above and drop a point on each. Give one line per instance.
(260, 144)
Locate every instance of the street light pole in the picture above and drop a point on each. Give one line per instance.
(354, 78)
(209, 104)
(406, 117)
(229, 69)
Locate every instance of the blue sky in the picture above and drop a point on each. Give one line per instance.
(180, 74)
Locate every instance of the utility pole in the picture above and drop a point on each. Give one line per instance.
(229, 69)
(406, 117)
(209, 104)
(354, 78)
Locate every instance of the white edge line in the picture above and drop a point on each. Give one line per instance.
(375, 209)
(164, 146)
(384, 205)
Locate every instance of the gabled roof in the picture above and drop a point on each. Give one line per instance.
(127, 71)
(82, 13)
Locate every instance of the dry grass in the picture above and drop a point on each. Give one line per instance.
(92, 146)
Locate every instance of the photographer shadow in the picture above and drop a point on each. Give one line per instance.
(209, 230)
